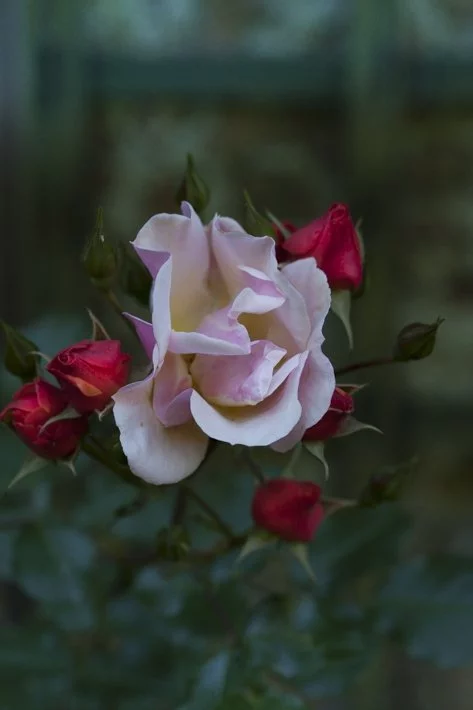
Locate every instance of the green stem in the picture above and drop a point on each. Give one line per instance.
(95, 451)
(118, 308)
(365, 364)
(221, 524)
(253, 466)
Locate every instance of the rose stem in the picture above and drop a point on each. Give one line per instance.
(117, 307)
(364, 364)
(253, 466)
(224, 528)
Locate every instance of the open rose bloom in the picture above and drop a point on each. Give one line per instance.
(235, 344)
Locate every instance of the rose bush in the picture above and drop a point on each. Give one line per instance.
(235, 344)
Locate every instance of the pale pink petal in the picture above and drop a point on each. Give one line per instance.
(237, 380)
(235, 249)
(191, 343)
(227, 224)
(156, 454)
(315, 393)
(223, 325)
(145, 333)
(283, 372)
(259, 425)
(289, 325)
(160, 295)
(311, 283)
(259, 293)
(184, 237)
(153, 260)
(172, 391)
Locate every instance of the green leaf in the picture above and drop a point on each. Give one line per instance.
(301, 554)
(256, 223)
(351, 425)
(428, 604)
(50, 566)
(354, 542)
(341, 306)
(257, 540)
(31, 464)
(317, 449)
(210, 686)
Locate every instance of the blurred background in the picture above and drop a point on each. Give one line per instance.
(302, 103)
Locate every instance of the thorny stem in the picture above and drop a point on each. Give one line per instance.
(365, 364)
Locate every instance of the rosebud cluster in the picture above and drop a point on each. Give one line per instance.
(50, 420)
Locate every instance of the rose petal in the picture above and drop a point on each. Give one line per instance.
(260, 425)
(160, 295)
(237, 380)
(145, 333)
(191, 343)
(172, 391)
(232, 249)
(182, 236)
(316, 387)
(311, 283)
(156, 454)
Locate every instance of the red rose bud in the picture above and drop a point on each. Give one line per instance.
(341, 407)
(333, 242)
(32, 406)
(290, 509)
(282, 255)
(90, 372)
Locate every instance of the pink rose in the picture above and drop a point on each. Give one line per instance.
(235, 342)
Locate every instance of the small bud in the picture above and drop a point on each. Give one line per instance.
(135, 278)
(256, 223)
(193, 189)
(416, 341)
(388, 485)
(173, 543)
(99, 257)
(20, 358)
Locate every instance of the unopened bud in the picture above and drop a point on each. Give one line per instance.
(256, 223)
(135, 278)
(416, 341)
(99, 257)
(193, 188)
(20, 354)
(388, 485)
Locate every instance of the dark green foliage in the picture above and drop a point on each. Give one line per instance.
(97, 617)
